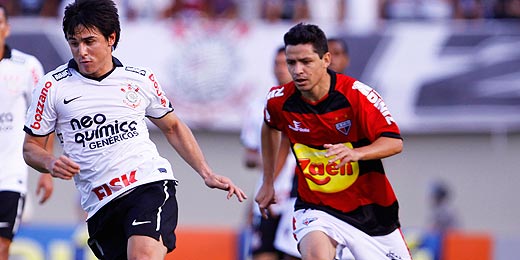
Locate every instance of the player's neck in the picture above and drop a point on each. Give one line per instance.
(320, 90)
(2, 51)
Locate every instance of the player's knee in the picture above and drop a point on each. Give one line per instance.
(145, 254)
(145, 248)
(317, 253)
(317, 246)
(4, 248)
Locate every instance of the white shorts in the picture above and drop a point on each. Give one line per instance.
(361, 245)
(284, 239)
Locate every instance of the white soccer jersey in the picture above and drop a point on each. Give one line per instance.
(19, 73)
(101, 126)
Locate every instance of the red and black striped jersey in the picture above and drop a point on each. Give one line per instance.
(351, 113)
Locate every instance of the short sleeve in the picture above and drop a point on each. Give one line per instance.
(159, 104)
(373, 113)
(41, 115)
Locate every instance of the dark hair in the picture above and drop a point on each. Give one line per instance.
(280, 49)
(5, 11)
(100, 14)
(307, 33)
(341, 42)
(440, 191)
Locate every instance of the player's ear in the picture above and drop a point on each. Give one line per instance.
(111, 39)
(7, 31)
(326, 59)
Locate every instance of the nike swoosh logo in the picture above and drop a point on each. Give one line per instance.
(65, 101)
(136, 223)
(4, 224)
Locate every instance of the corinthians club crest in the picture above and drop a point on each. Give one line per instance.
(132, 99)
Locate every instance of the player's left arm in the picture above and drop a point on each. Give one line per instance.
(45, 185)
(183, 141)
(377, 124)
(381, 148)
(271, 141)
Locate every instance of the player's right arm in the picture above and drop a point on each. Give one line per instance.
(270, 147)
(36, 156)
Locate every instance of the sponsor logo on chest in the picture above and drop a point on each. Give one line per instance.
(114, 185)
(96, 131)
(344, 127)
(297, 127)
(132, 98)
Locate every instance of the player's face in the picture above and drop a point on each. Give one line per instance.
(4, 28)
(339, 59)
(280, 69)
(307, 69)
(91, 51)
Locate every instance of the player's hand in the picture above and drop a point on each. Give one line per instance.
(45, 186)
(224, 183)
(64, 168)
(265, 197)
(342, 153)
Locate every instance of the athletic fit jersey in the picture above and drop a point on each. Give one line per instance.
(19, 73)
(351, 113)
(101, 126)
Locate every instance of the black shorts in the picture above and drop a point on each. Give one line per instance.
(148, 210)
(11, 209)
(264, 231)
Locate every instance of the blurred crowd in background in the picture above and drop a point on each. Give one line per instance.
(287, 10)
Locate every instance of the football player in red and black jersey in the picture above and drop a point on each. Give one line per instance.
(339, 130)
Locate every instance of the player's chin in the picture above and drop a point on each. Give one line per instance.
(303, 86)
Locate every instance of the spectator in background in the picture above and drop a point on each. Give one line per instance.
(284, 10)
(224, 9)
(468, 9)
(416, 9)
(187, 9)
(326, 11)
(19, 73)
(507, 9)
(56, 8)
(146, 9)
(29, 7)
(340, 59)
(443, 216)
(50, 8)
(210, 9)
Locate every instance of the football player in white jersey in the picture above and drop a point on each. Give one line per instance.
(19, 73)
(97, 108)
(261, 245)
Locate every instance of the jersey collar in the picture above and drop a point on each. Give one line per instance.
(332, 80)
(73, 65)
(7, 52)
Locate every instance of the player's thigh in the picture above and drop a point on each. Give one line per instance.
(317, 245)
(144, 247)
